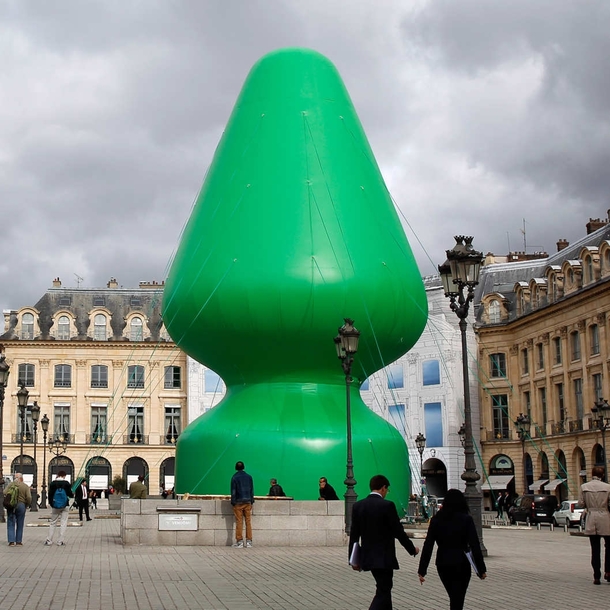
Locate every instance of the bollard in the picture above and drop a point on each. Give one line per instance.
(538, 526)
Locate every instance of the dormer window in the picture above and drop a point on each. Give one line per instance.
(63, 328)
(99, 327)
(27, 326)
(135, 329)
(494, 312)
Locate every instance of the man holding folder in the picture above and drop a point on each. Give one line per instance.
(375, 526)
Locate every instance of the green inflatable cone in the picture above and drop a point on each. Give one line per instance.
(293, 231)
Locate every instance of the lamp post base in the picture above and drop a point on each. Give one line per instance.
(34, 504)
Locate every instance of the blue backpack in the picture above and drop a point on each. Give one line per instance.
(60, 498)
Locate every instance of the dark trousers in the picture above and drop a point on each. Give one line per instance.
(455, 579)
(383, 593)
(83, 505)
(596, 561)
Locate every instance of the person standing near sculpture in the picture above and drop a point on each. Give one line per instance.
(15, 516)
(242, 499)
(82, 500)
(59, 493)
(137, 490)
(595, 495)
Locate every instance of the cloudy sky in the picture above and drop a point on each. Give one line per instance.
(481, 115)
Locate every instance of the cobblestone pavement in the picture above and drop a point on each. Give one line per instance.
(94, 572)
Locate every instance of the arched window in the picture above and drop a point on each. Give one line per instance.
(27, 326)
(494, 312)
(135, 329)
(99, 327)
(63, 327)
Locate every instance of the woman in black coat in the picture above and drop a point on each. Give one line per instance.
(453, 530)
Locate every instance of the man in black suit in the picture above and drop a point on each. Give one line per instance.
(81, 495)
(375, 524)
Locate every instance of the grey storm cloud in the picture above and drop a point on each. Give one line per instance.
(481, 115)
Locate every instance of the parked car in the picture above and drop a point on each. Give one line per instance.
(569, 513)
(533, 508)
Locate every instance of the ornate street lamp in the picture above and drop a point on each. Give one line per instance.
(35, 411)
(58, 447)
(420, 443)
(462, 434)
(601, 411)
(458, 273)
(346, 343)
(5, 369)
(523, 430)
(22, 403)
(44, 424)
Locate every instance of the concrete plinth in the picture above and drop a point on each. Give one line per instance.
(274, 523)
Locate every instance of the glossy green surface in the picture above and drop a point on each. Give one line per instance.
(293, 231)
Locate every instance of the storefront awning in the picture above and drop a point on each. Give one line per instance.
(554, 484)
(497, 482)
(536, 485)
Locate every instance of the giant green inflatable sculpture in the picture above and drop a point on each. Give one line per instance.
(293, 231)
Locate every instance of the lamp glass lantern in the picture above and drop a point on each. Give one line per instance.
(22, 397)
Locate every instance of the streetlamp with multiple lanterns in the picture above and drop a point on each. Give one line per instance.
(5, 369)
(44, 424)
(459, 275)
(601, 420)
(523, 429)
(35, 411)
(346, 343)
(22, 403)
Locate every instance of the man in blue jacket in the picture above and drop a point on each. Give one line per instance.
(242, 498)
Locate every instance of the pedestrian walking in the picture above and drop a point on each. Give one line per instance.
(93, 497)
(375, 527)
(327, 491)
(454, 532)
(15, 515)
(595, 495)
(82, 500)
(59, 494)
(242, 499)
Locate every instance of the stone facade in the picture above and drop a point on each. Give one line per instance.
(544, 348)
(100, 365)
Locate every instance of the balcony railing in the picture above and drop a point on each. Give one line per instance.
(135, 439)
(99, 439)
(576, 425)
(558, 428)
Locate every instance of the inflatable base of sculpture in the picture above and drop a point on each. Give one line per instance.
(293, 433)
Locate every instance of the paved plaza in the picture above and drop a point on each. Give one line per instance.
(94, 571)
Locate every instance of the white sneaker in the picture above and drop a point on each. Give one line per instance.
(61, 544)
(248, 544)
(239, 544)
(47, 542)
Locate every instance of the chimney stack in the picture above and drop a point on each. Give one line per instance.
(112, 283)
(56, 283)
(561, 244)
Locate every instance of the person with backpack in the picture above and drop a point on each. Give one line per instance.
(20, 496)
(59, 494)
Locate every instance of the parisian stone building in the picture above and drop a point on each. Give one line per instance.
(100, 365)
(543, 353)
